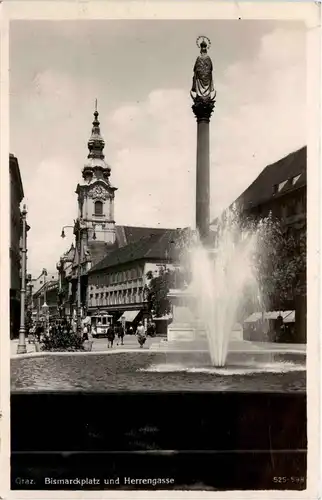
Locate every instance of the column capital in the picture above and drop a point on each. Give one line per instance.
(203, 109)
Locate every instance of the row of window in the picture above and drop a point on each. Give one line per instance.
(277, 188)
(121, 297)
(119, 277)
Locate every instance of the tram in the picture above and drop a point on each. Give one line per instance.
(100, 323)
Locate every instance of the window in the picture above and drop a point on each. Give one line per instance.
(98, 208)
(281, 185)
(295, 179)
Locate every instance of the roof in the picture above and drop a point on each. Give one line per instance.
(69, 255)
(98, 250)
(130, 234)
(158, 246)
(276, 180)
(49, 285)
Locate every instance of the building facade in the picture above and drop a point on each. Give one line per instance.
(46, 275)
(280, 190)
(16, 196)
(96, 235)
(117, 284)
(47, 294)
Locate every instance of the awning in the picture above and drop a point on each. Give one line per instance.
(288, 316)
(87, 320)
(166, 317)
(129, 316)
(253, 318)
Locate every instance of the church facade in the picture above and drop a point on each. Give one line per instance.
(96, 238)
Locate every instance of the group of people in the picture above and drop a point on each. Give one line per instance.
(116, 332)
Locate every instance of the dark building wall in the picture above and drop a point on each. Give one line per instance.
(16, 196)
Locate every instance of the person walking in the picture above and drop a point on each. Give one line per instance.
(141, 334)
(85, 332)
(120, 334)
(110, 336)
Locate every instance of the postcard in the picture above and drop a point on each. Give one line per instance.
(160, 168)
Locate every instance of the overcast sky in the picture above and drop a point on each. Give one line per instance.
(141, 74)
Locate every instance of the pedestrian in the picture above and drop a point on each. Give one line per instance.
(85, 332)
(141, 334)
(38, 333)
(130, 330)
(120, 334)
(151, 329)
(110, 336)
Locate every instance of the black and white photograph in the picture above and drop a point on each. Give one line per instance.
(158, 173)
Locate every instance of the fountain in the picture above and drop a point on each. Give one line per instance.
(224, 283)
(222, 275)
(221, 281)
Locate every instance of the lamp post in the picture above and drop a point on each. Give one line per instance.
(22, 348)
(45, 307)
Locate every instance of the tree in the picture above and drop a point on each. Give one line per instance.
(160, 285)
(157, 292)
(158, 289)
(280, 263)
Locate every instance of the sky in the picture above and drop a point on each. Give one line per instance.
(141, 74)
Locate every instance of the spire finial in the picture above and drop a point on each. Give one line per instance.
(96, 143)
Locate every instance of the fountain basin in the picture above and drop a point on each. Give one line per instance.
(159, 370)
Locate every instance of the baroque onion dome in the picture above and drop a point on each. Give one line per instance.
(96, 166)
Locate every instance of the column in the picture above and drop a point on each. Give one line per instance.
(202, 180)
(202, 110)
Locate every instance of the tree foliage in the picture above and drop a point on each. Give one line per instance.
(280, 263)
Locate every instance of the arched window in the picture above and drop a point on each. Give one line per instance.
(98, 208)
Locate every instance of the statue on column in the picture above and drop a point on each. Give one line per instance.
(202, 91)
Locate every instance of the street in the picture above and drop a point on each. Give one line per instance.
(130, 342)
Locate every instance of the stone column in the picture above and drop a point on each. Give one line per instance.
(202, 111)
(203, 95)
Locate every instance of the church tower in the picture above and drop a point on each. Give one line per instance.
(96, 194)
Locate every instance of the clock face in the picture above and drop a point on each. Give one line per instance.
(99, 190)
